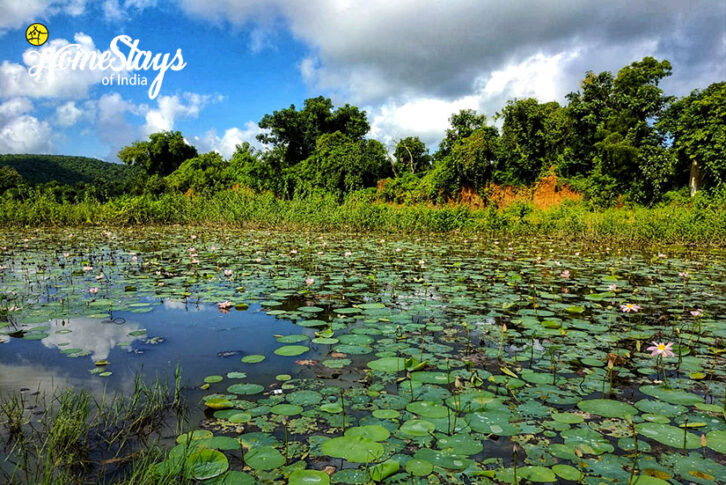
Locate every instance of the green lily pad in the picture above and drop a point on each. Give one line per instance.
(608, 408)
(291, 350)
(308, 477)
(264, 458)
(253, 359)
(206, 463)
(354, 449)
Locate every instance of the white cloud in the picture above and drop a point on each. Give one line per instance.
(426, 118)
(375, 51)
(115, 10)
(21, 132)
(111, 124)
(14, 107)
(67, 114)
(20, 13)
(227, 143)
(169, 108)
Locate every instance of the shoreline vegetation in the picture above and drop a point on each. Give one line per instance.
(701, 220)
(621, 159)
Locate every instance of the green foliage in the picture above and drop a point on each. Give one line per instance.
(341, 165)
(463, 125)
(161, 155)
(697, 124)
(9, 178)
(471, 163)
(296, 132)
(411, 156)
(533, 137)
(205, 172)
(65, 170)
(700, 220)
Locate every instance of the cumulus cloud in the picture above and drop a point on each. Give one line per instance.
(115, 10)
(67, 114)
(20, 132)
(369, 51)
(169, 108)
(20, 13)
(226, 144)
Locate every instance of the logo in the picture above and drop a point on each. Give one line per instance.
(124, 61)
(36, 34)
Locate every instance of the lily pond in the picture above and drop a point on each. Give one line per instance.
(316, 358)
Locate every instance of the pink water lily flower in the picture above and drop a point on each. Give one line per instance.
(630, 307)
(565, 274)
(348, 254)
(309, 281)
(93, 290)
(224, 305)
(661, 348)
(697, 313)
(227, 273)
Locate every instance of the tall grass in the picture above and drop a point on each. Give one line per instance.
(702, 223)
(71, 437)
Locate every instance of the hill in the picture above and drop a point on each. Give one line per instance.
(66, 170)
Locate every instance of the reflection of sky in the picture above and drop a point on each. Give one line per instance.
(193, 336)
(89, 335)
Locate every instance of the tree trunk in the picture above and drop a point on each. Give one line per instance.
(695, 181)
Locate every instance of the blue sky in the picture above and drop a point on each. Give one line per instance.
(410, 64)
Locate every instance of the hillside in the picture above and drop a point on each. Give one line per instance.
(67, 170)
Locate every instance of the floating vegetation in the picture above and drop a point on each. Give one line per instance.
(411, 361)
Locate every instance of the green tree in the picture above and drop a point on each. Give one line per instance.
(532, 140)
(9, 178)
(203, 173)
(697, 126)
(295, 133)
(471, 163)
(161, 155)
(412, 156)
(463, 125)
(587, 112)
(612, 130)
(341, 165)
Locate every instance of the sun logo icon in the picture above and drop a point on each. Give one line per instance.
(36, 34)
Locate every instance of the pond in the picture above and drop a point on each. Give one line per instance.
(348, 358)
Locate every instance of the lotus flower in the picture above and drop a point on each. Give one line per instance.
(613, 287)
(227, 273)
(697, 313)
(87, 268)
(134, 258)
(259, 260)
(661, 348)
(224, 305)
(309, 281)
(348, 254)
(630, 307)
(565, 274)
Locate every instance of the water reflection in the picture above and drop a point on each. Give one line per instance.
(88, 335)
